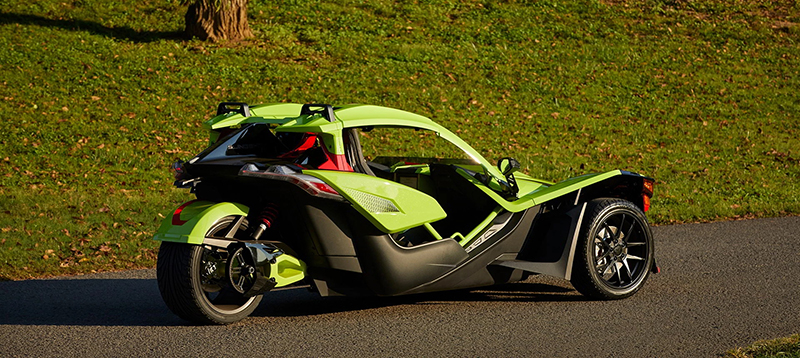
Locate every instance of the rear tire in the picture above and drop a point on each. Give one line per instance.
(193, 282)
(615, 250)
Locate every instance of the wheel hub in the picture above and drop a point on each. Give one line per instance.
(620, 250)
(209, 268)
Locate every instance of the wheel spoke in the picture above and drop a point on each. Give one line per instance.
(234, 227)
(616, 269)
(603, 269)
(608, 230)
(633, 257)
(606, 246)
(628, 234)
(634, 244)
(602, 258)
(627, 270)
(619, 236)
(609, 236)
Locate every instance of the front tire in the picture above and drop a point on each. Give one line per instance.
(615, 251)
(193, 282)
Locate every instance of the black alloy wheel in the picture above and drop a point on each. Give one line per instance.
(615, 251)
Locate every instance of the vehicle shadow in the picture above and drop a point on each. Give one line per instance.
(301, 302)
(137, 302)
(122, 32)
(84, 302)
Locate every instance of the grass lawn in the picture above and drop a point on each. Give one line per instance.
(99, 97)
(788, 347)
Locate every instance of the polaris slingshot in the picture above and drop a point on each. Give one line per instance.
(285, 196)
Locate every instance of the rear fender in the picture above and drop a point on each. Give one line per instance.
(190, 222)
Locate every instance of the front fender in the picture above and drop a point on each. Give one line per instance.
(190, 222)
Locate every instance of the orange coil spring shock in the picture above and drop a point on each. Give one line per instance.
(266, 218)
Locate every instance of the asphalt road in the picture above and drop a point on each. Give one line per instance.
(723, 285)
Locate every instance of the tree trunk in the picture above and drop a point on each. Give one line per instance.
(225, 20)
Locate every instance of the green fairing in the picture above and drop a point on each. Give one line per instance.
(268, 113)
(199, 216)
(390, 206)
(542, 193)
(287, 270)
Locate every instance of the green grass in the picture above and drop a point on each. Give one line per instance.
(788, 347)
(99, 97)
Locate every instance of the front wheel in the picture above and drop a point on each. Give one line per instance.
(194, 283)
(615, 251)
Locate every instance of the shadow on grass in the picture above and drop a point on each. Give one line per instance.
(136, 302)
(122, 33)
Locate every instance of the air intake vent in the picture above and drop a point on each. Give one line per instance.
(372, 203)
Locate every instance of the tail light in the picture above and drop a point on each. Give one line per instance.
(176, 216)
(310, 184)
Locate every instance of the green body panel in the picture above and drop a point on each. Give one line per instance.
(268, 113)
(390, 206)
(287, 270)
(569, 185)
(542, 192)
(198, 217)
(522, 177)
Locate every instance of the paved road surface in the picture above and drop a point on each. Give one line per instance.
(724, 285)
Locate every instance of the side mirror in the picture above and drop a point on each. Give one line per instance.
(508, 166)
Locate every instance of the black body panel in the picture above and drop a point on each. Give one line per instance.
(440, 265)
(475, 271)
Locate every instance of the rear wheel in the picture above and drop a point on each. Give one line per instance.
(194, 283)
(615, 251)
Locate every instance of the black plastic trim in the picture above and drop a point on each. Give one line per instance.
(242, 108)
(325, 110)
